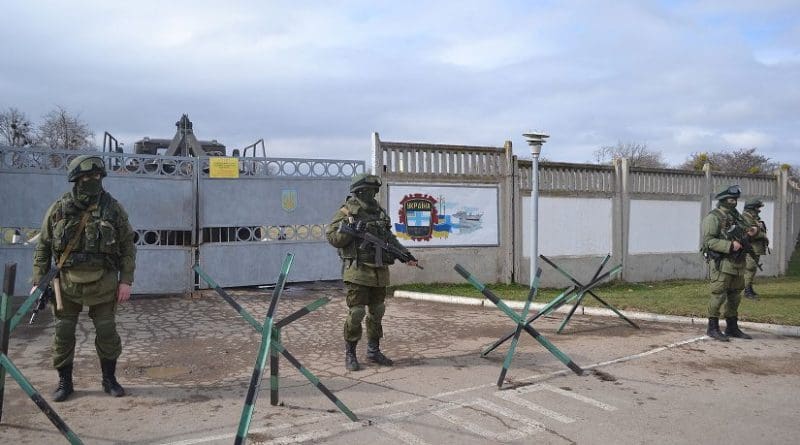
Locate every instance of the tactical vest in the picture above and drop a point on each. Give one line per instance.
(378, 223)
(98, 246)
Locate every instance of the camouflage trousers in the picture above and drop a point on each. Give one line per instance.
(750, 270)
(725, 289)
(107, 341)
(364, 301)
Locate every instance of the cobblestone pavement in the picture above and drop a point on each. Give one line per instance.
(187, 361)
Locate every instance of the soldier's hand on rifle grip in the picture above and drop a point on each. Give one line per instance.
(735, 246)
(360, 226)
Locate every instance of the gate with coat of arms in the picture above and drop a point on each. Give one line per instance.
(273, 206)
(238, 225)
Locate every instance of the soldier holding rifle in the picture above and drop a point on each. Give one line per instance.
(87, 234)
(361, 231)
(728, 265)
(760, 243)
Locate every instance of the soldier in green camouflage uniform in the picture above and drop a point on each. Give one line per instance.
(759, 241)
(365, 281)
(727, 267)
(98, 273)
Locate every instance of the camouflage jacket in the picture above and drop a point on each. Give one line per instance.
(760, 240)
(359, 261)
(106, 242)
(714, 227)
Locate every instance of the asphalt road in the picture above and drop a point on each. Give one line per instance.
(187, 362)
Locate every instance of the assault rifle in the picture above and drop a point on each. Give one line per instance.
(41, 303)
(738, 233)
(710, 255)
(358, 230)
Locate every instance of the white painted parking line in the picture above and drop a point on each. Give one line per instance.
(515, 398)
(314, 436)
(348, 426)
(529, 426)
(572, 395)
(398, 433)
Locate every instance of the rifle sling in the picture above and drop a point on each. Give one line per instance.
(74, 240)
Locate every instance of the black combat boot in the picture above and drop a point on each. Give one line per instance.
(750, 293)
(713, 330)
(110, 384)
(64, 388)
(375, 355)
(350, 360)
(732, 329)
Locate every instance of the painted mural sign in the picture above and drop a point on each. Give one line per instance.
(431, 215)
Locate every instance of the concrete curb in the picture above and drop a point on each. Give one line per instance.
(789, 331)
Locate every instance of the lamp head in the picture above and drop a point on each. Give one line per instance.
(535, 139)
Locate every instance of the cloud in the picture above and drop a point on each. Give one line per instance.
(746, 139)
(319, 78)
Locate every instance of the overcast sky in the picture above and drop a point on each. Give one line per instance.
(315, 79)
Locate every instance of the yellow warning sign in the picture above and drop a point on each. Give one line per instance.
(223, 167)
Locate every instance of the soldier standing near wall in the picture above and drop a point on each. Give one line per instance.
(727, 265)
(759, 241)
(97, 272)
(364, 278)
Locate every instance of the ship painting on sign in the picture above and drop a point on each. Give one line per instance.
(469, 220)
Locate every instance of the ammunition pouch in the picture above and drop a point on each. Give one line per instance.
(82, 276)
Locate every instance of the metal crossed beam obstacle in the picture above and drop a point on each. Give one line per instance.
(520, 321)
(270, 344)
(583, 290)
(575, 293)
(6, 365)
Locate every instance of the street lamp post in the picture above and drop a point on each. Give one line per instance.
(535, 140)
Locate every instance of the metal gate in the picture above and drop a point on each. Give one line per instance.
(238, 229)
(276, 205)
(158, 194)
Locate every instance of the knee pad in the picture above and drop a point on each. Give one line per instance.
(357, 313)
(105, 327)
(377, 310)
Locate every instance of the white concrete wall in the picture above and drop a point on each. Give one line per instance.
(569, 226)
(658, 226)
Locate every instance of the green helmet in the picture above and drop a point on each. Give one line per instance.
(753, 203)
(364, 180)
(84, 165)
(729, 192)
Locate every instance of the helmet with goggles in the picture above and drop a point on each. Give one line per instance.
(363, 181)
(85, 165)
(729, 192)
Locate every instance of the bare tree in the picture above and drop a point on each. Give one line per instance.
(62, 130)
(745, 161)
(15, 128)
(637, 154)
(794, 174)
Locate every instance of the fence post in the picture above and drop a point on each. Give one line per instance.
(507, 203)
(781, 243)
(621, 214)
(377, 155)
(377, 168)
(516, 218)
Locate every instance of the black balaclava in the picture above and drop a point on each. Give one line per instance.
(727, 205)
(367, 196)
(88, 192)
